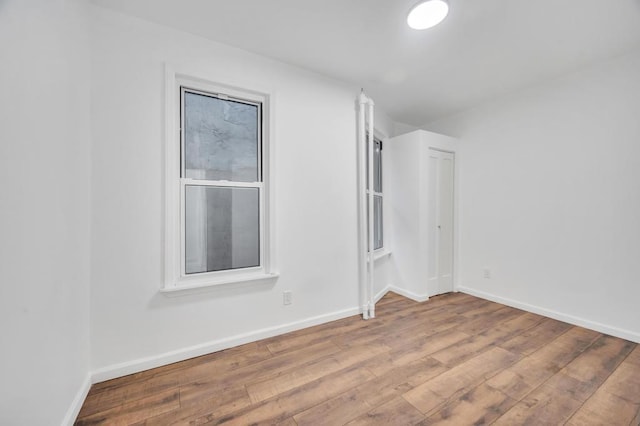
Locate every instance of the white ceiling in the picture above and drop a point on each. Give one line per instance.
(484, 49)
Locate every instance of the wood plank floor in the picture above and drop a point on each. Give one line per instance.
(454, 360)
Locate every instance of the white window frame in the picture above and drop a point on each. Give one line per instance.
(379, 194)
(381, 250)
(176, 278)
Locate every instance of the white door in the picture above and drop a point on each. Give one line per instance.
(440, 218)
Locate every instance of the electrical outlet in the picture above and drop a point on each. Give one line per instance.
(286, 298)
(487, 273)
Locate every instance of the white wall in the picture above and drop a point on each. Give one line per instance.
(407, 179)
(45, 210)
(384, 125)
(384, 129)
(403, 180)
(402, 128)
(133, 325)
(551, 184)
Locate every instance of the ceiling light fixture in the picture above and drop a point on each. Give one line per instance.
(427, 14)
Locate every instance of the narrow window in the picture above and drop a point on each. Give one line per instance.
(378, 240)
(222, 182)
(219, 232)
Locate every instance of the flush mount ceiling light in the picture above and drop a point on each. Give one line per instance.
(427, 14)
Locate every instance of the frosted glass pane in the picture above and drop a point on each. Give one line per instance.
(222, 228)
(377, 222)
(378, 241)
(377, 166)
(220, 139)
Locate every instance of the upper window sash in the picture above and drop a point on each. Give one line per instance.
(186, 90)
(377, 166)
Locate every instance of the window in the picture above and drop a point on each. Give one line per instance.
(378, 241)
(221, 181)
(217, 222)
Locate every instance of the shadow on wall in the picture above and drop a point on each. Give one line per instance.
(186, 297)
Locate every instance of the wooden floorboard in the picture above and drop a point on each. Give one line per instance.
(453, 360)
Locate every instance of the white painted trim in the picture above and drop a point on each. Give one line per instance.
(409, 294)
(365, 204)
(380, 254)
(141, 364)
(381, 294)
(76, 404)
(581, 322)
(199, 286)
(370, 207)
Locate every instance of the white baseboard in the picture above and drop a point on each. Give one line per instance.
(141, 364)
(76, 405)
(409, 294)
(402, 292)
(135, 366)
(381, 294)
(592, 325)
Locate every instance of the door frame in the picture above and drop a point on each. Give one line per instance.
(449, 146)
(437, 235)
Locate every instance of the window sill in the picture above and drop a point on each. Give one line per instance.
(235, 281)
(381, 254)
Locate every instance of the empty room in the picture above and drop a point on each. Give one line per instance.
(363, 212)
